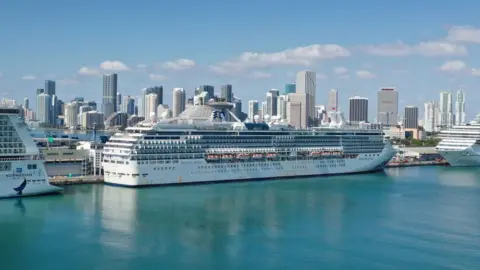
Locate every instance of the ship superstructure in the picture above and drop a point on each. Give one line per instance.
(22, 170)
(460, 145)
(200, 146)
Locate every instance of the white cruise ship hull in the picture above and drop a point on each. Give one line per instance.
(199, 171)
(23, 179)
(468, 157)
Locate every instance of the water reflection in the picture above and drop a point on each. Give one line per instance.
(198, 223)
(20, 206)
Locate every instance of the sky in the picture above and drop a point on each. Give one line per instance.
(419, 47)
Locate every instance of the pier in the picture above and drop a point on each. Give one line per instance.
(76, 180)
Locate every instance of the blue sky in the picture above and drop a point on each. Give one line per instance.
(419, 47)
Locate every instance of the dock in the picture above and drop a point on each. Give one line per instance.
(394, 164)
(76, 180)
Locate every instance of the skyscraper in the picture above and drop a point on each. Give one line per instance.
(290, 88)
(410, 117)
(272, 100)
(306, 84)
(50, 88)
(460, 108)
(431, 115)
(44, 104)
(358, 109)
(179, 99)
(252, 109)
(332, 100)
(282, 101)
(109, 102)
(226, 92)
(151, 104)
(446, 108)
(158, 90)
(387, 106)
(209, 89)
(128, 105)
(26, 103)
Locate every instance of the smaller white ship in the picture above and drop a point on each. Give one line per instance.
(460, 145)
(22, 167)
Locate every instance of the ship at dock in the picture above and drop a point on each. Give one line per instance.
(22, 166)
(460, 145)
(207, 143)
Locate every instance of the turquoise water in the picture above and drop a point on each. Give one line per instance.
(413, 218)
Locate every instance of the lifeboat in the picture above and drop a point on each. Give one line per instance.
(315, 154)
(257, 156)
(271, 155)
(243, 156)
(228, 157)
(212, 157)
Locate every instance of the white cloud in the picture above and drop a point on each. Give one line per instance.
(430, 48)
(157, 77)
(475, 72)
(179, 64)
(340, 70)
(113, 66)
(365, 74)
(28, 77)
(260, 75)
(302, 56)
(452, 66)
(465, 34)
(89, 71)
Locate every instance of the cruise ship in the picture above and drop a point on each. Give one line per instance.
(460, 145)
(22, 170)
(207, 143)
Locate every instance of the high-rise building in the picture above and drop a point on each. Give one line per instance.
(179, 99)
(332, 100)
(264, 109)
(109, 102)
(296, 113)
(128, 105)
(387, 106)
(26, 104)
(358, 109)
(158, 90)
(410, 119)
(446, 110)
(226, 92)
(252, 109)
(40, 91)
(71, 114)
(282, 106)
(44, 104)
(272, 98)
(210, 92)
(237, 107)
(431, 116)
(119, 101)
(50, 88)
(306, 84)
(460, 116)
(290, 88)
(151, 104)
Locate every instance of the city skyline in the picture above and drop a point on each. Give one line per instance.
(419, 62)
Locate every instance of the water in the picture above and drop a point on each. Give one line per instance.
(413, 218)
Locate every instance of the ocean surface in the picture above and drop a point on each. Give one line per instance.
(404, 218)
